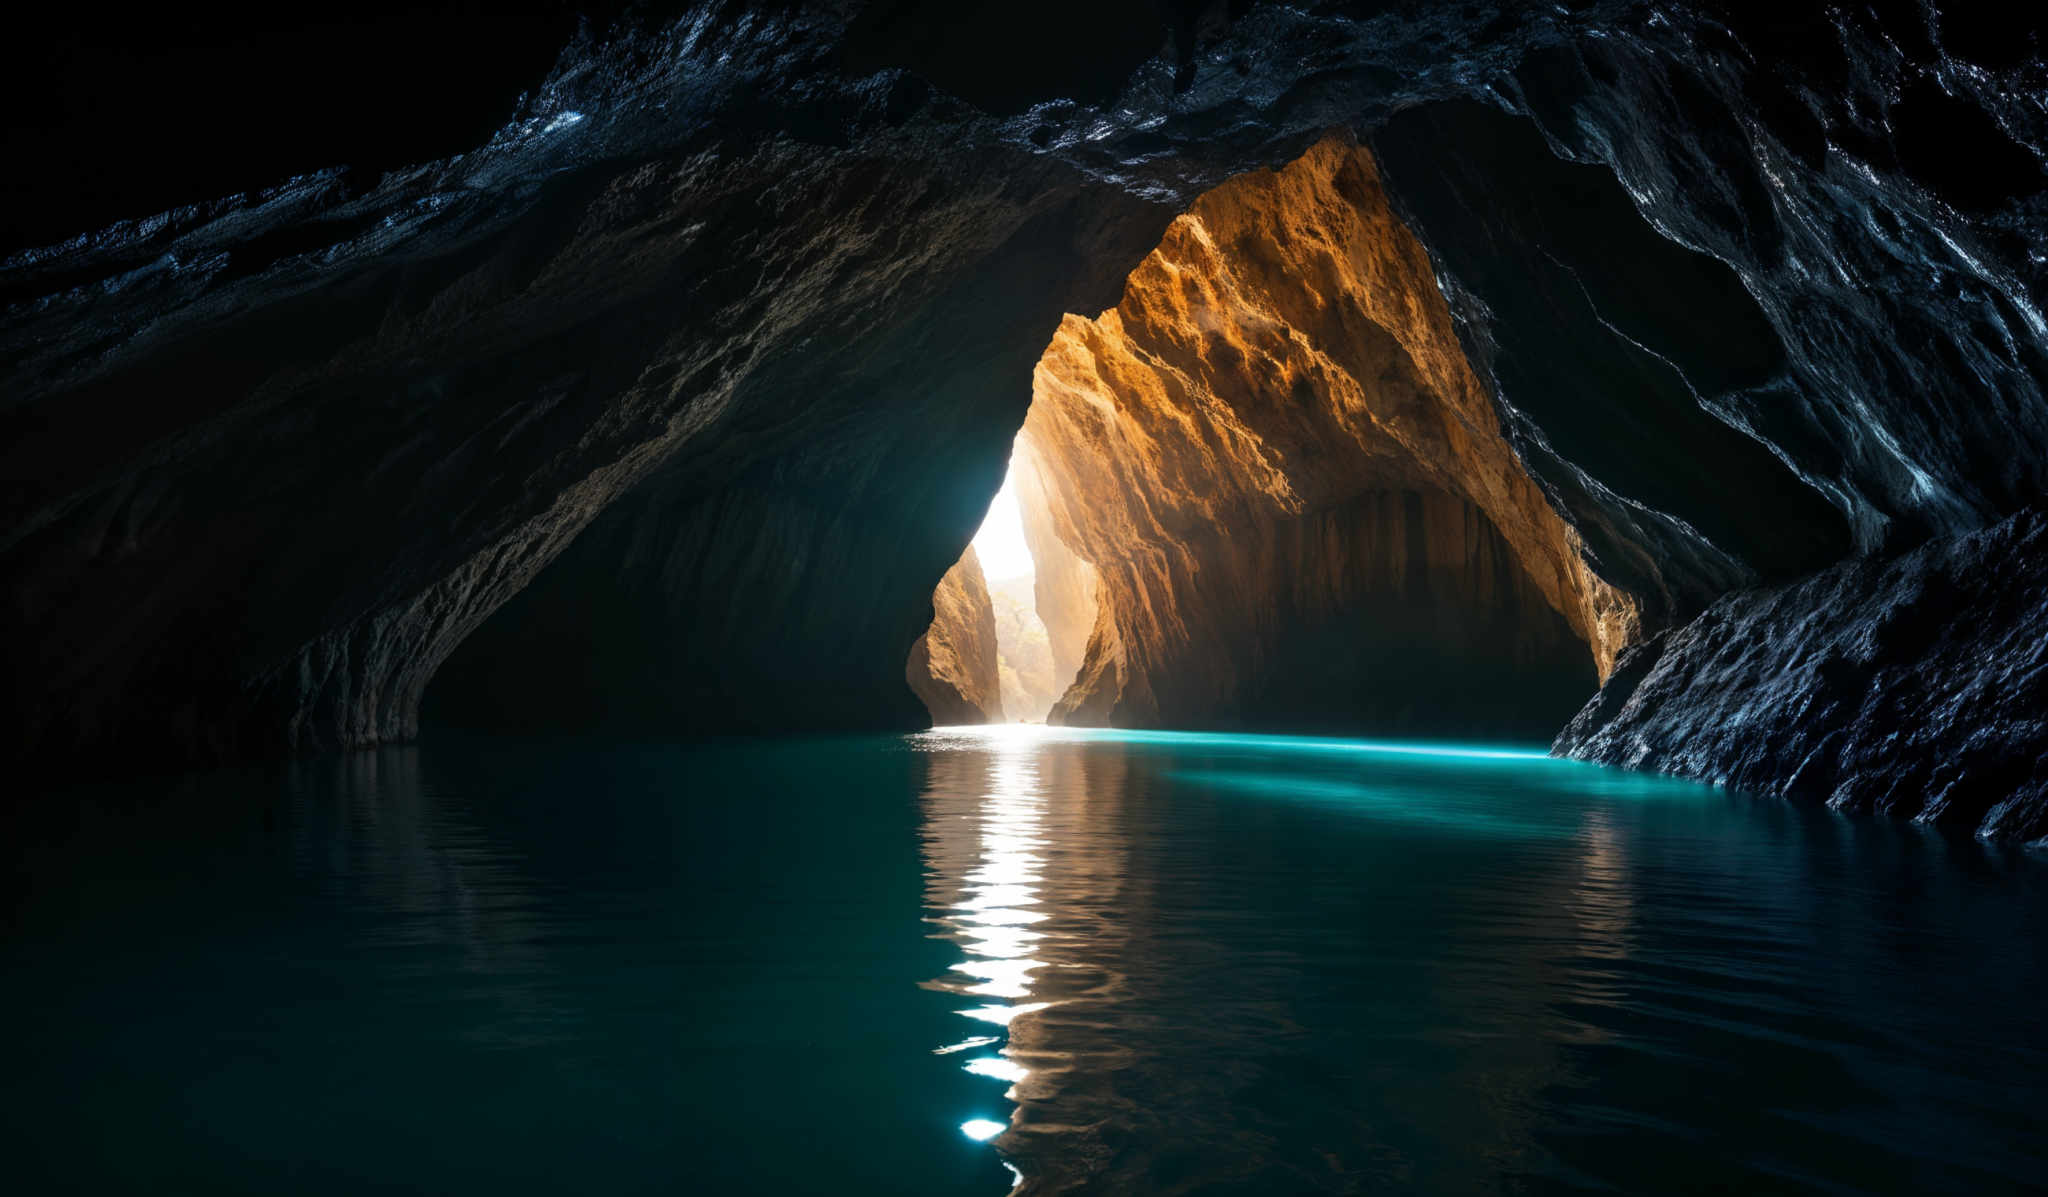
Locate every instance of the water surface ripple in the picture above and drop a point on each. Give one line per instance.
(1064, 961)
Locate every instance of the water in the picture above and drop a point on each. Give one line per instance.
(1135, 962)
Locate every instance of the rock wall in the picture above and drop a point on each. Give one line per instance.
(1750, 288)
(1915, 687)
(1063, 586)
(954, 667)
(269, 462)
(1294, 491)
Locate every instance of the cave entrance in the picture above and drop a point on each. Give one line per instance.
(1008, 634)
(1267, 489)
(1025, 680)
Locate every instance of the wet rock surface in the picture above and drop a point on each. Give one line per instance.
(1915, 687)
(749, 298)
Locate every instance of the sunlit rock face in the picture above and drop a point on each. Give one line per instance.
(1915, 687)
(1064, 586)
(666, 407)
(954, 667)
(1294, 490)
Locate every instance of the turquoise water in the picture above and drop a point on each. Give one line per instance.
(1078, 961)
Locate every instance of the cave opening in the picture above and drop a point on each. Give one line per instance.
(1267, 489)
(1007, 638)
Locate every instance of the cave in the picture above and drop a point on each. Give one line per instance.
(1129, 597)
(1270, 492)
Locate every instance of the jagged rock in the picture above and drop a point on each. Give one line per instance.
(954, 667)
(1915, 687)
(1063, 587)
(1294, 491)
(665, 407)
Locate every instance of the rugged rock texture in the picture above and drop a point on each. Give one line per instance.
(270, 461)
(1915, 687)
(1294, 490)
(1063, 586)
(954, 667)
(1867, 209)
(739, 313)
(1614, 342)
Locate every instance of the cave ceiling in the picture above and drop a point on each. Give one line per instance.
(734, 301)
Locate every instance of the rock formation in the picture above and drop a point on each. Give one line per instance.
(1063, 586)
(1915, 687)
(954, 668)
(1294, 490)
(664, 407)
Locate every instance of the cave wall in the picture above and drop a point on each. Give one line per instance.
(1847, 210)
(954, 666)
(1842, 259)
(1915, 687)
(268, 459)
(774, 572)
(1063, 586)
(1294, 491)
(1610, 343)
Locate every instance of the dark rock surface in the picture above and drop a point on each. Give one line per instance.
(1915, 687)
(1878, 207)
(739, 311)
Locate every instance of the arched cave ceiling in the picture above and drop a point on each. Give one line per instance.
(744, 303)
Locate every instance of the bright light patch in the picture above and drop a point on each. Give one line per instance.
(989, 897)
(1000, 942)
(1002, 1015)
(1004, 916)
(981, 1130)
(997, 1067)
(1000, 542)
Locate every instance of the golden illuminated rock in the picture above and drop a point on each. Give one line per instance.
(1290, 488)
(953, 666)
(1063, 584)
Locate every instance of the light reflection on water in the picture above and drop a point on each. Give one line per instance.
(1245, 963)
(1107, 962)
(988, 910)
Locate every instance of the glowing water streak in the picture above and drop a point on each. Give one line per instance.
(991, 919)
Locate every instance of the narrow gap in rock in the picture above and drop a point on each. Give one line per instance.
(1267, 490)
(992, 655)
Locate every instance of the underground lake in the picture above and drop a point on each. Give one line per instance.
(1128, 597)
(1070, 960)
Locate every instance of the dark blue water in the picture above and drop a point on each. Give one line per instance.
(1135, 962)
